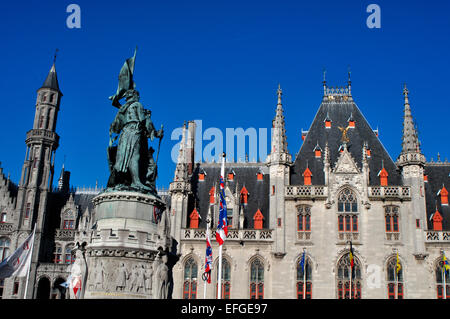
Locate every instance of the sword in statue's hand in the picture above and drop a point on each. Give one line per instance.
(161, 134)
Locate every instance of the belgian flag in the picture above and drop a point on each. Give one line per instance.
(352, 263)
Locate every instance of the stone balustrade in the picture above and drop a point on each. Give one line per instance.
(233, 234)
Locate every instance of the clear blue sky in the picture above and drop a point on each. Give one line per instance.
(221, 62)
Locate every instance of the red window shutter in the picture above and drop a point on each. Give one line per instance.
(201, 177)
(351, 123)
(307, 175)
(212, 195)
(259, 176)
(194, 217)
(383, 177)
(244, 195)
(258, 220)
(437, 221)
(444, 196)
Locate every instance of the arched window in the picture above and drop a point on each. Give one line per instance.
(226, 280)
(442, 281)
(347, 201)
(304, 274)
(5, 243)
(190, 279)
(256, 279)
(347, 277)
(394, 279)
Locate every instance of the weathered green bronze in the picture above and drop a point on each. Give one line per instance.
(131, 163)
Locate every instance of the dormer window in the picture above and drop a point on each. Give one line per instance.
(258, 220)
(351, 121)
(307, 176)
(317, 151)
(368, 152)
(425, 178)
(194, 218)
(437, 221)
(327, 121)
(231, 176)
(259, 176)
(383, 174)
(244, 195)
(201, 175)
(444, 196)
(212, 195)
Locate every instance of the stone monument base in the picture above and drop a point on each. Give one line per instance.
(125, 250)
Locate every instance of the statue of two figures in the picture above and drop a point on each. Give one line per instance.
(131, 162)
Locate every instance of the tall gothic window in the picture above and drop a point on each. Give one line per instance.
(349, 282)
(304, 275)
(304, 218)
(68, 256)
(5, 243)
(347, 215)
(190, 279)
(256, 279)
(391, 222)
(394, 279)
(226, 280)
(347, 201)
(57, 254)
(442, 281)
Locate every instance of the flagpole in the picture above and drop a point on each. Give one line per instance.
(219, 288)
(29, 266)
(445, 282)
(304, 275)
(206, 281)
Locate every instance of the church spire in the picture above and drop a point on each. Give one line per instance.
(279, 143)
(410, 142)
(411, 153)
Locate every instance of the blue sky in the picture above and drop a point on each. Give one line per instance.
(220, 62)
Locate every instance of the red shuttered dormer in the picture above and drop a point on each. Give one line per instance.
(212, 195)
(194, 218)
(437, 221)
(244, 195)
(307, 176)
(383, 174)
(258, 219)
(444, 196)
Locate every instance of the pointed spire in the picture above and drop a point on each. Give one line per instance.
(181, 168)
(279, 142)
(51, 82)
(410, 142)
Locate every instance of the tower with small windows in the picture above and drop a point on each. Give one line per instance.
(38, 167)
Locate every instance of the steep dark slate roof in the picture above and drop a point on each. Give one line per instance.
(245, 175)
(51, 81)
(339, 113)
(438, 175)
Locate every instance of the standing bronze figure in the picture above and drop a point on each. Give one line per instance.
(131, 163)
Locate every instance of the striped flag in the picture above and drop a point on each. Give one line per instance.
(222, 228)
(352, 263)
(18, 264)
(208, 258)
(445, 264)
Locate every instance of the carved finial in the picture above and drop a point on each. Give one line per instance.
(279, 93)
(405, 93)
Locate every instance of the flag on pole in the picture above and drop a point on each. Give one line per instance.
(445, 263)
(222, 231)
(18, 264)
(398, 265)
(352, 263)
(302, 263)
(208, 258)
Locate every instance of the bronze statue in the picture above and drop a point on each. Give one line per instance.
(131, 162)
(344, 131)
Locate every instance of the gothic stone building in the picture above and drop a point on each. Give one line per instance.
(342, 187)
(61, 217)
(342, 191)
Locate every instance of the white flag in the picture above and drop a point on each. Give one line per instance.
(17, 264)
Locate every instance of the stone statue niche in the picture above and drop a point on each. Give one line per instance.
(131, 161)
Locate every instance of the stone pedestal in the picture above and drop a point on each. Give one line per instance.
(125, 251)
